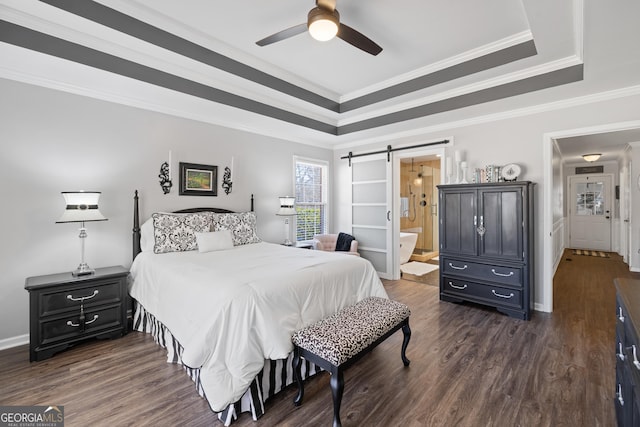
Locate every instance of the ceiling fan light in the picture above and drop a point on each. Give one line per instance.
(323, 24)
(592, 157)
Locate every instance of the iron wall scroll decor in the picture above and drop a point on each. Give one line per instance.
(198, 180)
(227, 184)
(165, 178)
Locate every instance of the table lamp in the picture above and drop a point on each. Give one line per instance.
(81, 206)
(287, 209)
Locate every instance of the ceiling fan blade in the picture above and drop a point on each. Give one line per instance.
(282, 35)
(358, 40)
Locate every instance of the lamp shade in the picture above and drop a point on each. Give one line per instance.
(323, 24)
(82, 206)
(287, 206)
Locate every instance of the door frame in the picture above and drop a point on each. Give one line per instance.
(438, 151)
(610, 195)
(547, 252)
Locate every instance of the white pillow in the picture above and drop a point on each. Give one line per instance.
(214, 241)
(146, 236)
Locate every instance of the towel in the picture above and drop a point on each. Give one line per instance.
(344, 242)
(404, 207)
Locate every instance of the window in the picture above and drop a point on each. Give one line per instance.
(311, 198)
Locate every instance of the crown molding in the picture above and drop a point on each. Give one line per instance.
(505, 115)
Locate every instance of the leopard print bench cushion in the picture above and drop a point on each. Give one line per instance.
(341, 336)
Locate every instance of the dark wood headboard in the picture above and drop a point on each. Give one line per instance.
(136, 219)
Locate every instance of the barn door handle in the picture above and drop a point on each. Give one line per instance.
(388, 215)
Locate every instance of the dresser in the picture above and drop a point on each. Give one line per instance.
(64, 310)
(627, 398)
(486, 245)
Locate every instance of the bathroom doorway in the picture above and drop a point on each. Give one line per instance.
(419, 177)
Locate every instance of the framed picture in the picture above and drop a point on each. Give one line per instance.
(198, 180)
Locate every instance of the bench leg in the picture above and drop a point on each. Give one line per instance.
(297, 375)
(337, 387)
(406, 330)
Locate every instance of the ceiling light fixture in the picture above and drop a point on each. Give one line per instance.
(592, 157)
(323, 23)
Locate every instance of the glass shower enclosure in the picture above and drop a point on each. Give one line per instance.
(419, 204)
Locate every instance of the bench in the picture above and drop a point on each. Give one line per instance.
(338, 341)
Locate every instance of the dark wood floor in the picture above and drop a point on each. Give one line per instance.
(469, 367)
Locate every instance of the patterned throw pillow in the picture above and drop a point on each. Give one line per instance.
(176, 232)
(241, 224)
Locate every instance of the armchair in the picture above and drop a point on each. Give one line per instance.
(327, 242)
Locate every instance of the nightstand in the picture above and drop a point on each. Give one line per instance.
(64, 310)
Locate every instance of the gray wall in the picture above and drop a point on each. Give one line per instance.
(52, 141)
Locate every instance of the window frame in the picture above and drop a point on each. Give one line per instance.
(325, 165)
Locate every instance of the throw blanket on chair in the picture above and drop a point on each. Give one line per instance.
(344, 242)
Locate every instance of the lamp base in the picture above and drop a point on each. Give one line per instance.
(83, 270)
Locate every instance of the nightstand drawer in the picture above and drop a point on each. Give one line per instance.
(98, 292)
(66, 327)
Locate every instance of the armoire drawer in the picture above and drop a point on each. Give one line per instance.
(507, 275)
(485, 294)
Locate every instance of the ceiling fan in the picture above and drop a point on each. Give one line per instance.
(323, 23)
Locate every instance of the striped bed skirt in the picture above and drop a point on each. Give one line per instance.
(274, 377)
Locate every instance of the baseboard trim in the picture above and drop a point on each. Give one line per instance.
(14, 341)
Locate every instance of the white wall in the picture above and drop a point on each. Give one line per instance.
(517, 140)
(634, 193)
(53, 141)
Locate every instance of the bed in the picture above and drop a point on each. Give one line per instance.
(225, 304)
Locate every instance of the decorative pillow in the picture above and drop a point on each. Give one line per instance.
(214, 241)
(176, 232)
(241, 224)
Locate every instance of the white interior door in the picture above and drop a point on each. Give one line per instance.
(371, 211)
(590, 212)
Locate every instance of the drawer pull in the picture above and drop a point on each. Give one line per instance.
(511, 295)
(635, 358)
(620, 315)
(493, 270)
(619, 395)
(458, 268)
(81, 299)
(457, 286)
(620, 353)
(75, 325)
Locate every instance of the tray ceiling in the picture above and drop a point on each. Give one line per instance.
(198, 59)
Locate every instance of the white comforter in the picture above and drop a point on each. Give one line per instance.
(232, 309)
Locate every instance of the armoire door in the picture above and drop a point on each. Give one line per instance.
(500, 223)
(457, 216)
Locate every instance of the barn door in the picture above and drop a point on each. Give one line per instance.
(371, 195)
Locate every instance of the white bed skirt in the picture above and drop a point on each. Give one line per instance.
(275, 375)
